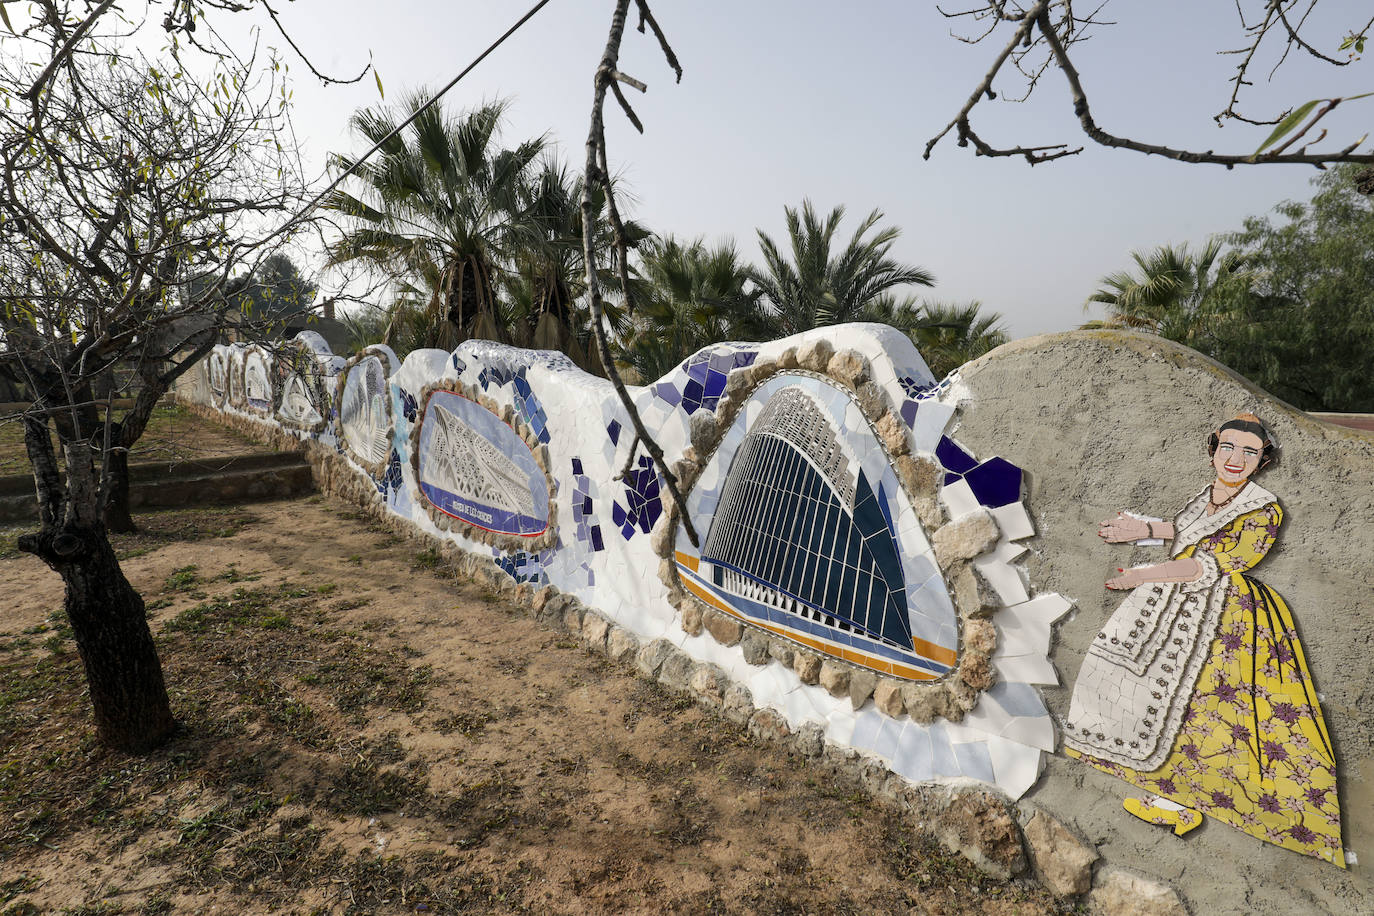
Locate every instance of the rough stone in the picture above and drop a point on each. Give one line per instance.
(965, 537)
(768, 725)
(887, 696)
(709, 682)
(725, 629)
(662, 538)
(815, 355)
(848, 366)
(834, 677)
(918, 475)
(540, 598)
(924, 702)
(788, 359)
(704, 432)
(677, 670)
(651, 657)
(739, 704)
(807, 665)
(977, 672)
(755, 646)
(573, 615)
(595, 628)
(738, 383)
(871, 400)
(980, 636)
(1063, 861)
(782, 650)
(691, 618)
(621, 644)
(893, 434)
(862, 683)
(809, 740)
(1121, 893)
(980, 825)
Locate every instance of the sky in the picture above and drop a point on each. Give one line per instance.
(783, 100)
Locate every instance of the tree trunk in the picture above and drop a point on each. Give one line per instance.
(117, 516)
(107, 616)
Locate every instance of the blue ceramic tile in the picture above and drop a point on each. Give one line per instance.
(954, 458)
(909, 412)
(715, 384)
(668, 393)
(597, 542)
(996, 482)
(613, 430)
(577, 466)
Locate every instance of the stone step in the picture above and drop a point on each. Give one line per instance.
(206, 481)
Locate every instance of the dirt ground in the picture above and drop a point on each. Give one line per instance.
(362, 733)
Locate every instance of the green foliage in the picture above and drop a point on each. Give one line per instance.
(1307, 332)
(690, 296)
(818, 286)
(946, 335)
(1290, 305)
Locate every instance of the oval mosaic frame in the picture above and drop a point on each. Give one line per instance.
(268, 365)
(957, 691)
(507, 414)
(390, 364)
(213, 399)
(285, 368)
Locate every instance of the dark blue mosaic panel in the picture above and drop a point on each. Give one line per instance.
(529, 408)
(523, 566)
(995, 482)
(391, 479)
(707, 374)
(458, 365)
(409, 406)
(643, 503)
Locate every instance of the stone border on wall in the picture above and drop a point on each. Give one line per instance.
(956, 543)
(508, 415)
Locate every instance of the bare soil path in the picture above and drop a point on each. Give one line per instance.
(365, 734)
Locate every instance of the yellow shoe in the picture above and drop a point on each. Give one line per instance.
(1182, 820)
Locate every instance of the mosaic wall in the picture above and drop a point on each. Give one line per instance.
(853, 566)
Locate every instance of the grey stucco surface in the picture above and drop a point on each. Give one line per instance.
(1105, 420)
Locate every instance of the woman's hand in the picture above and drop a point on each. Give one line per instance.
(1122, 528)
(1129, 578)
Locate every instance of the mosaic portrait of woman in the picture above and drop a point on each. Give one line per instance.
(1197, 689)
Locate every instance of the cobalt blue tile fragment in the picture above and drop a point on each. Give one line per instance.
(909, 413)
(613, 430)
(953, 458)
(597, 542)
(996, 482)
(666, 391)
(408, 406)
(577, 466)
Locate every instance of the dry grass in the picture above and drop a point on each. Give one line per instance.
(370, 737)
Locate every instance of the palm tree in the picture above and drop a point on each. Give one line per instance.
(438, 208)
(1176, 293)
(817, 287)
(689, 296)
(946, 335)
(546, 286)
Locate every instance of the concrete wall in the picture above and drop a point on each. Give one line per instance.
(1104, 421)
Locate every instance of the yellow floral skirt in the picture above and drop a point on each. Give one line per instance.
(1253, 750)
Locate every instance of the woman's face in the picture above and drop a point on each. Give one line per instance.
(1238, 455)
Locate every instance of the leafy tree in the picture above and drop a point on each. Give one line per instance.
(275, 290)
(439, 209)
(818, 286)
(546, 286)
(1308, 331)
(690, 296)
(946, 335)
(1175, 293)
(123, 185)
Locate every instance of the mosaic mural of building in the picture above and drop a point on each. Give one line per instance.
(815, 481)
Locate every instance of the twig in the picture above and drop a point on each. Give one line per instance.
(597, 172)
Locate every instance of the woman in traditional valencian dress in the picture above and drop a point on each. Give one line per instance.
(1197, 690)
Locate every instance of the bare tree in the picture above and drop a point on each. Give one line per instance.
(1040, 36)
(131, 190)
